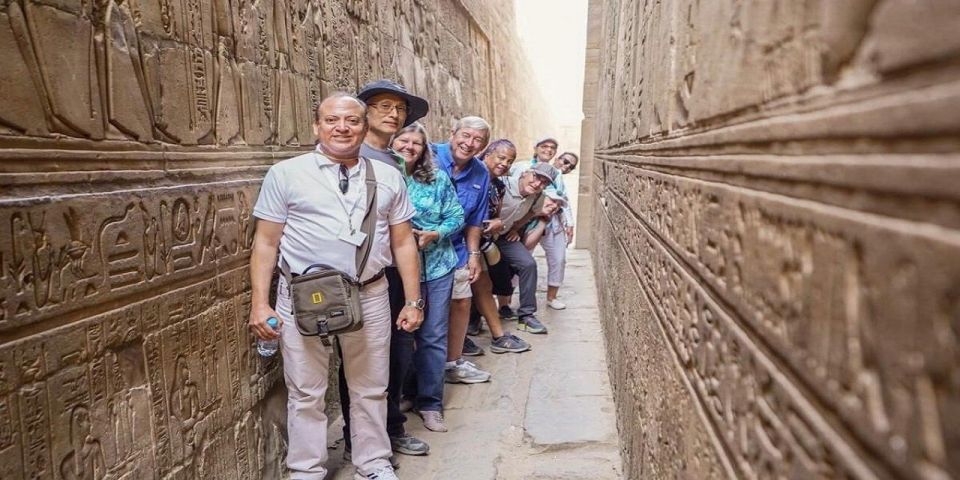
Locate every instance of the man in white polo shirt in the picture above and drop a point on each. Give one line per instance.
(310, 208)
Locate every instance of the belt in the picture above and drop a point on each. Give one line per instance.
(362, 284)
(374, 278)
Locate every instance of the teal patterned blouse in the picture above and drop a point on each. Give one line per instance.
(439, 210)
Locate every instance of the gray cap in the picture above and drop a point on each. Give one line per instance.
(545, 170)
(417, 107)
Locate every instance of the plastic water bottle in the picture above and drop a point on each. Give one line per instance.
(268, 348)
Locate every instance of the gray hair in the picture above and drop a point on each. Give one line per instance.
(473, 122)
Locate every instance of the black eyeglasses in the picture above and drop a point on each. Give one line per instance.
(568, 163)
(386, 107)
(344, 179)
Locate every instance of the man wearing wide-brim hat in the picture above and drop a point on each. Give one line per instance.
(389, 108)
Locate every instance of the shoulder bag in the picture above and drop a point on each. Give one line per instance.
(326, 301)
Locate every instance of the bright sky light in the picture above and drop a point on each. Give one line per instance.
(554, 34)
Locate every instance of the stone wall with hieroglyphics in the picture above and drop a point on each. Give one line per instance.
(775, 198)
(133, 137)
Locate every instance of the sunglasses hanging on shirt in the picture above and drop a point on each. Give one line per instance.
(344, 179)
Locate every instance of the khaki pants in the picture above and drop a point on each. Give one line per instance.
(366, 360)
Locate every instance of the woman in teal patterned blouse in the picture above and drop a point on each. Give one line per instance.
(439, 215)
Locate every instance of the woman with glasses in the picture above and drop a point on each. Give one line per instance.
(438, 215)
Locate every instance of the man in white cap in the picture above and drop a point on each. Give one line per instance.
(543, 152)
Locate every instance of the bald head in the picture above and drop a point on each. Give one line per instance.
(340, 126)
(339, 97)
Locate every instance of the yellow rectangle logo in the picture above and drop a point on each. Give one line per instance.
(317, 297)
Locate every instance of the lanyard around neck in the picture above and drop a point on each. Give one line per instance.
(341, 197)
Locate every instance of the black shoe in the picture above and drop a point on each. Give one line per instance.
(471, 349)
(475, 326)
(507, 313)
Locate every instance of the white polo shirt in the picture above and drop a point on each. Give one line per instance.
(303, 194)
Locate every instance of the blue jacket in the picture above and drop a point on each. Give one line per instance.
(471, 185)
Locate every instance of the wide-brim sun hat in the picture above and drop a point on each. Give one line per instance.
(417, 107)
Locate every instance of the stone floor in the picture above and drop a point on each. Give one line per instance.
(546, 414)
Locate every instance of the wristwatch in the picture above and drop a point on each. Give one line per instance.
(418, 303)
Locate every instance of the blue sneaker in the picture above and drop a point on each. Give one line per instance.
(507, 313)
(509, 343)
(529, 323)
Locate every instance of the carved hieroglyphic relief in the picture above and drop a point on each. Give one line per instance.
(133, 138)
(788, 292)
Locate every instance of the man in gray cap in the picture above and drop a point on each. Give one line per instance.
(521, 201)
(389, 108)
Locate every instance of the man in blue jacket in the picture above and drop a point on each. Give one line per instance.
(471, 180)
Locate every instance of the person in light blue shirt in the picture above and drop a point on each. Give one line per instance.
(439, 217)
(555, 232)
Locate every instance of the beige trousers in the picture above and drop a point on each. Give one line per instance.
(306, 362)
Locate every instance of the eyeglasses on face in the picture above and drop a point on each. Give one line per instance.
(540, 181)
(386, 107)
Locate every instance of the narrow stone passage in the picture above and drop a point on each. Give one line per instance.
(547, 413)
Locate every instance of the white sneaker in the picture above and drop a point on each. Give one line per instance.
(465, 372)
(556, 304)
(384, 473)
(433, 420)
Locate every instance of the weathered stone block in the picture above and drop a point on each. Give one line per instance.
(766, 180)
(133, 138)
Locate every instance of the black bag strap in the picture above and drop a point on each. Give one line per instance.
(367, 227)
(369, 219)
